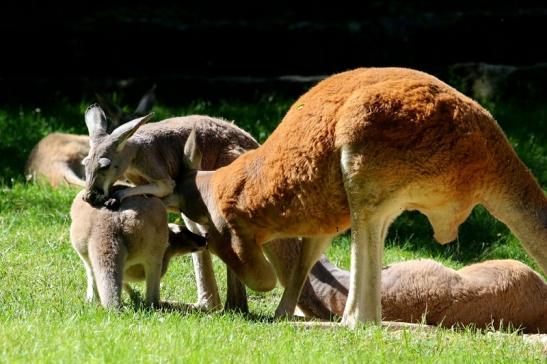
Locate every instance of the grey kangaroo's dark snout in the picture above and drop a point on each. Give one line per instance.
(94, 197)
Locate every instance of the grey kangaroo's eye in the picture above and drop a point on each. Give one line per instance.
(104, 163)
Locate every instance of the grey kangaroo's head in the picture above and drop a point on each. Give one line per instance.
(117, 116)
(108, 158)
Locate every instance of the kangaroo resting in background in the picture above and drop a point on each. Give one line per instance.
(488, 294)
(58, 159)
(355, 151)
(132, 243)
(58, 156)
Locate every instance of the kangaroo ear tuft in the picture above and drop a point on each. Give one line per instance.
(192, 153)
(95, 120)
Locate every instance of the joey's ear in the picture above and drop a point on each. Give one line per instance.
(113, 112)
(85, 161)
(123, 132)
(146, 103)
(95, 121)
(192, 154)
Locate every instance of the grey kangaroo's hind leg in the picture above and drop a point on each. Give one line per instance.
(207, 288)
(312, 248)
(236, 295)
(91, 293)
(108, 272)
(153, 277)
(132, 294)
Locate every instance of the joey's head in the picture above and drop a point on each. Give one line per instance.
(183, 241)
(109, 157)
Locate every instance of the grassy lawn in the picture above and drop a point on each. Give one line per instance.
(44, 318)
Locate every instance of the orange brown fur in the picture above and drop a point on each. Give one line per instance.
(373, 142)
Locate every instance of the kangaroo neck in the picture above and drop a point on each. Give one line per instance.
(197, 198)
(229, 185)
(131, 149)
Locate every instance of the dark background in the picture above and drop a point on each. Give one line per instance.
(204, 49)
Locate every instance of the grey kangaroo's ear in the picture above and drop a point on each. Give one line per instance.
(95, 121)
(123, 132)
(113, 112)
(146, 103)
(192, 154)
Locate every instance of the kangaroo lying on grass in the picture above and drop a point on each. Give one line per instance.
(487, 294)
(132, 243)
(58, 159)
(355, 151)
(58, 156)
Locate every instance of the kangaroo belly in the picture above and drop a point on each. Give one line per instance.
(315, 205)
(134, 273)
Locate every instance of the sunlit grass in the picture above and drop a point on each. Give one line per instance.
(44, 316)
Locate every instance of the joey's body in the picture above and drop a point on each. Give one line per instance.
(357, 150)
(132, 243)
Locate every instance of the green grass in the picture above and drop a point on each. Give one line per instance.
(44, 318)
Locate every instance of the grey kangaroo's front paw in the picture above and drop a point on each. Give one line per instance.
(112, 203)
